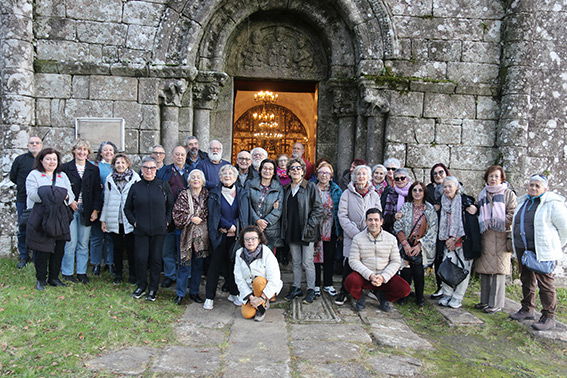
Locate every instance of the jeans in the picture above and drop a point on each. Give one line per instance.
(191, 272)
(302, 258)
(77, 248)
(22, 249)
(170, 251)
(101, 246)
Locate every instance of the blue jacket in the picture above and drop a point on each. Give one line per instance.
(211, 172)
(214, 220)
(165, 172)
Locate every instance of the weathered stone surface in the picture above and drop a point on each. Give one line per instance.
(423, 155)
(222, 315)
(448, 106)
(438, 28)
(448, 131)
(445, 51)
(405, 104)
(62, 50)
(393, 365)
(412, 8)
(458, 316)
(82, 108)
(465, 157)
(472, 72)
(486, 108)
(17, 110)
(142, 13)
(481, 52)
(347, 369)
(50, 8)
(338, 351)
(43, 112)
(140, 37)
(396, 334)
(108, 10)
(53, 85)
(410, 130)
(6, 246)
(15, 52)
(114, 88)
(55, 28)
(132, 142)
(80, 86)
(105, 33)
(148, 90)
(131, 361)
(485, 9)
(320, 310)
(17, 80)
(196, 361)
(429, 70)
(432, 87)
(130, 111)
(396, 150)
(189, 334)
(341, 332)
(479, 133)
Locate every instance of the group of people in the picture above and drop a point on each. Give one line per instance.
(202, 215)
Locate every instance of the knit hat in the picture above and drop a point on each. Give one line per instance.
(540, 178)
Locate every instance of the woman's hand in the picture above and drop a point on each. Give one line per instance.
(262, 224)
(94, 215)
(255, 301)
(450, 243)
(437, 207)
(471, 209)
(103, 226)
(74, 205)
(196, 220)
(398, 216)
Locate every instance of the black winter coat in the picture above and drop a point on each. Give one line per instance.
(49, 220)
(148, 207)
(310, 211)
(214, 220)
(90, 186)
(22, 166)
(472, 240)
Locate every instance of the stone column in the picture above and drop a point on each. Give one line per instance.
(343, 112)
(372, 110)
(205, 95)
(170, 99)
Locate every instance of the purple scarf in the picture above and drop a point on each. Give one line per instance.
(402, 194)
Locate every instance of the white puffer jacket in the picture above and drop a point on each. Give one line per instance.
(114, 201)
(266, 267)
(550, 226)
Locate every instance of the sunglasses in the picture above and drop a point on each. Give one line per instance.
(295, 168)
(391, 169)
(439, 173)
(417, 190)
(149, 168)
(401, 178)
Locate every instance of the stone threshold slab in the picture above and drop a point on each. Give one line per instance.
(456, 317)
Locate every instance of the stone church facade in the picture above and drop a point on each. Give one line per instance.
(467, 83)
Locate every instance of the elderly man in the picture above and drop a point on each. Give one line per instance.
(375, 259)
(297, 153)
(258, 155)
(539, 227)
(194, 154)
(158, 153)
(245, 173)
(213, 164)
(175, 175)
(21, 167)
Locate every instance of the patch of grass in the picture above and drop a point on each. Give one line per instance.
(500, 347)
(515, 292)
(55, 331)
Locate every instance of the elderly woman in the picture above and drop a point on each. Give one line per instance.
(266, 199)
(101, 243)
(281, 170)
(394, 197)
(379, 173)
(359, 196)
(458, 228)
(433, 195)
(49, 194)
(416, 231)
(329, 229)
(190, 214)
(301, 215)
(113, 220)
(391, 165)
(148, 207)
(496, 204)
(257, 274)
(539, 228)
(85, 181)
(228, 212)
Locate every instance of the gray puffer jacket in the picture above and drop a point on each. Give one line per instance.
(270, 209)
(114, 201)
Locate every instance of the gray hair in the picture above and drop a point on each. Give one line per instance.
(455, 181)
(379, 166)
(191, 137)
(359, 168)
(259, 149)
(145, 159)
(226, 168)
(199, 173)
(392, 162)
(158, 146)
(541, 178)
(402, 171)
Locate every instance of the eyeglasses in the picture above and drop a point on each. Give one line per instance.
(148, 168)
(251, 238)
(417, 190)
(267, 169)
(391, 169)
(158, 153)
(34, 142)
(295, 168)
(244, 159)
(400, 178)
(439, 173)
(325, 173)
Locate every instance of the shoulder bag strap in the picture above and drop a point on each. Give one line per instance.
(522, 224)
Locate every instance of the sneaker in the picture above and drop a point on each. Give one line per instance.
(235, 299)
(444, 301)
(360, 304)
(480, 306)
(208, 305)
(83, 278)
(330, 290)
(317, 291)
(438, 294)
(310, 297)
(492, 310)
(40, 285)
(454, 303)
(151, 296)
(522, 315)
(544, 323)
(69, 278)
(293, 292)
(259, 316)
(138, 293)
(340, 299)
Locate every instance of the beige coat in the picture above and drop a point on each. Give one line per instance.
(496, 249)
(369, 255)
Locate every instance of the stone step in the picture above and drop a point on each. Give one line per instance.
(456, 317)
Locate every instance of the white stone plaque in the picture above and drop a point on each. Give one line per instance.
(97, 130)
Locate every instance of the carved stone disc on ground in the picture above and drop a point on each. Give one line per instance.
(321, 310)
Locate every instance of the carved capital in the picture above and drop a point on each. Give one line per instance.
(373, 101)
(172, 92)
(207, 87)
(344, 97)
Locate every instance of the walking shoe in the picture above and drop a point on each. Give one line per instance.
(492, 310)
(69, 278)
(56, 282)
(317, 291)
(22, 263)
(96, 270)
(151, 296)
(196, 298)
(167, 282)
(522, 315)
(310, 297)
(208, 305)
(360, 304)
(138, 293)
(454, 303)
(444, 301)
(386, 306)
(235, 299)
(340, 299)
(480, 306)
(177, 300)
(83, 278)
(438, 294)
(330, 290)
(259, 316)
(293, 292)
(544, 323)
(40, 285)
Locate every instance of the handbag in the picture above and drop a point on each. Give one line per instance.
(418, 259)
(451, 273)
(529, 258)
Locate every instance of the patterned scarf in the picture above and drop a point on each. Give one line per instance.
(451, 222)
(250, 256)
(380, 187)
(492, 203)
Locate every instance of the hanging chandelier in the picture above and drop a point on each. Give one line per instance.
(267, 124)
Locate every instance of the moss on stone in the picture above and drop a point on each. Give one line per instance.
(44, 65)
(392, 80)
